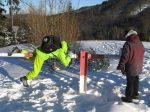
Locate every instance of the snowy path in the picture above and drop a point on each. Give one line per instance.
(58, 91)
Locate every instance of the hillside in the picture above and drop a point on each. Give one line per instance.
(110, 19)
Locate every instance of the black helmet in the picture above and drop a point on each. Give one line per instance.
(50, 43)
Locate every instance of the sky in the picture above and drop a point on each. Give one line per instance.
(75, 3)
(83, 3)
(79, 3)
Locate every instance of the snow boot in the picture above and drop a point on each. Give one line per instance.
(126, 99)
(135, 97)
(14, 50)
(24, 81)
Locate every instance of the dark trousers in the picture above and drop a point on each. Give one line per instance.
(132, 86)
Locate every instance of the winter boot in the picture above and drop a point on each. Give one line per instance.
(135, 97)
(24, 81)
(126, 99)
(14, 50)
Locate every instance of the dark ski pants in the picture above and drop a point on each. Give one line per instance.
(132, 86)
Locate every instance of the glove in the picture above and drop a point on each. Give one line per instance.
(72, 55)
(122, 68)
(28, 55)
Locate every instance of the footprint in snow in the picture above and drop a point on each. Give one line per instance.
(2, 63)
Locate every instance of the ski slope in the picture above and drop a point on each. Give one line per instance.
(59, 91)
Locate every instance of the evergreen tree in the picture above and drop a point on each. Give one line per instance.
(1, 9)
(69, 6)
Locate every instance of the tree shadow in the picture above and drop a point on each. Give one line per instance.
(14, 61)
(66, 81)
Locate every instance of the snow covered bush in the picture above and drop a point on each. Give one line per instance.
(97, 63)
(8, 37)
(5, 37)
(94, 64)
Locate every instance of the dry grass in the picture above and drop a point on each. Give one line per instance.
(43, 22)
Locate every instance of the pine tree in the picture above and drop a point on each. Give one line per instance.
(1, 9)
(14, 6)
(69, 6)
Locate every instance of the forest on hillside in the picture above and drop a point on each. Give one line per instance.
(110, 20)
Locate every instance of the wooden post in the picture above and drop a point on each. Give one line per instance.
(83, 71)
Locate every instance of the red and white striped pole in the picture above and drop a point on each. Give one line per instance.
(83, 71)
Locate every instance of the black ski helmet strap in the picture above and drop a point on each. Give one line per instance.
(50, 43)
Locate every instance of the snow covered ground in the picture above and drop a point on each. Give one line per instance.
(59, 91)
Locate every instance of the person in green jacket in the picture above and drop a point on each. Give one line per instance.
(52, 47)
